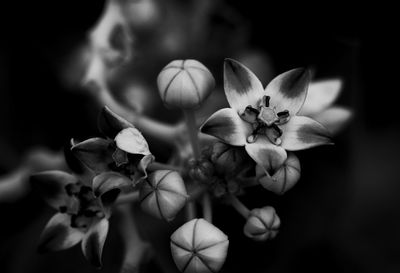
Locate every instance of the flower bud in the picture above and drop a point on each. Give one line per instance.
(284, 178)
(185, 84)
(199, 247)
(163, 194)
(262, 224)
(201, 170)
(227, 159)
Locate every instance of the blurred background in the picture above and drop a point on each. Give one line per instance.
(343, 215)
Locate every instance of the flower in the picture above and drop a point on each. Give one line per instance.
(185, 83)
(124, 151)
(81, 216)
(265, 122)
(164, 194)
(199, 247)
(262, 224)
(318, 105)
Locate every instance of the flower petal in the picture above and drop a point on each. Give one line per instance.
(51, 186)
(110, 124)
(320, 95)
(107, 181)
(301, 133)
(269, 156)
(242, 87)
(132, 141)
(93, 242)
(288, 90)
(58, 234)
(95, 153)
(226, 125)
(334, 118)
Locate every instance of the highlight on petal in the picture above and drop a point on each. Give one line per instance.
(132, 141)
(242, 87)
(226, 125)
(320, 95)
(58, 234)
(303, 133)
(93, 242)
(267, 155)
(110, 124)
(51, 186)
(107, 181)
(288, 90)
(95, 153)
(334, 118)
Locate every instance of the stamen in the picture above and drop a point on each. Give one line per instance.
(250, 108)
(284, 113)
(250, 114)
(265, 100)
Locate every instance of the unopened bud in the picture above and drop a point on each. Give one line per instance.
(163, 194)
(284, 178)
(262, 224)
(185, 84)
(199, 247)
(201, 170)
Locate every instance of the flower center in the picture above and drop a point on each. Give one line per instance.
(267, 115)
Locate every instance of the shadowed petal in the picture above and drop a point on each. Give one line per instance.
(320, 95)
(58, 234)
(242, 87)
(93, 242)
(289, 90)
(334, 118)
(226, 125)
(51, 186)
(95, 153)
(131, 141)
(302, 133)
(107, 181)
(269, 156)
(142, 168)
(110, 124)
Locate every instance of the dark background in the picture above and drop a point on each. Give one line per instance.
(343, 216)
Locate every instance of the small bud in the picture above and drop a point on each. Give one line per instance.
(163, 194)
(262, 224)
(284, 178)
(199, 247)
(201, 170)
(228, 159)
(185, 84)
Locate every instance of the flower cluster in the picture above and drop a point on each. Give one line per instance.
(252, 143)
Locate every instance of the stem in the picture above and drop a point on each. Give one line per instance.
(162, 166)
(161, 131)
(190, 210)
(239, 206)
(127, 198)
(207, 207)
(192, 130)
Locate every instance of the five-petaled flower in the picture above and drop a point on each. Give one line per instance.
(81, 217)
(265, 122)
(124, 151)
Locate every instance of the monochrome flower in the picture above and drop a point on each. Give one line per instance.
(262, 224)
(81, 217)
(265, 122)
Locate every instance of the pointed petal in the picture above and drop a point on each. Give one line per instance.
(334, 118)
(95, 153)
(107, 181)
(288, 90)
(132, 141)
(269, 156)
(242, 87)
(110, 124)
(320, 95)
(58, 234)
(142, 168)
(51, 186)
(226, 125)
(301, 133)
(93, 242)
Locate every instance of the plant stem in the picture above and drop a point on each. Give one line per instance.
(161, 131)
(190, 210)
(239, 206)
(162, 166)
(127, 198)
(207, 207)
(192, 131)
